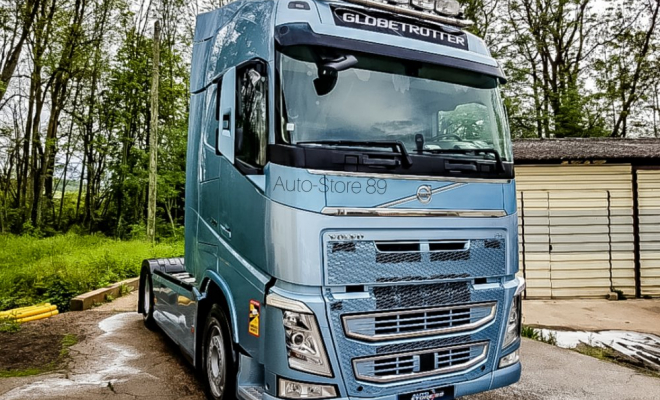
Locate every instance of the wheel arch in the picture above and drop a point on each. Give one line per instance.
(215, 290)
(167, 265)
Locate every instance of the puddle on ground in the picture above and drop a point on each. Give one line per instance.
(109, 364)
(643, 347)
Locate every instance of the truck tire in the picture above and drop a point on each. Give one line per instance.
(218, 366)
(147, 299)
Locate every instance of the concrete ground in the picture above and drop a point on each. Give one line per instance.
(594, 315)
(124, 360)
(120, 360)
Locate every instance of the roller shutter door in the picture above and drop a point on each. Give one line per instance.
(576, 230)
(648, 188)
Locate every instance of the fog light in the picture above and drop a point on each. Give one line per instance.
(509, 359)
(448, 7)
(300, 390)
(427, 5)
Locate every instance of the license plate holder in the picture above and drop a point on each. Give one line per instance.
(443, 393)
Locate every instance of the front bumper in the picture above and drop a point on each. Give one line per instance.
(494, 380)
(486, 376)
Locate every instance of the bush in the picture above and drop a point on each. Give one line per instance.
(56, 269)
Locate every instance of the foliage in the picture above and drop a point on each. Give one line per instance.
(67, 341)
(9, 325)
(538, 334)
(75, 126)
(576, 68)
(529, 332)
(55, 269)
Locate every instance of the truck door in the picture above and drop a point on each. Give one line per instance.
(210, 168)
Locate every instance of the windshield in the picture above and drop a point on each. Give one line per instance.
(384, 99)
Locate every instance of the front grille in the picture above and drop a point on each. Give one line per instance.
(435, 362)
(417, 323)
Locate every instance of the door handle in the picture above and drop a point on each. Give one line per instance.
(226, 231)
(226, 125)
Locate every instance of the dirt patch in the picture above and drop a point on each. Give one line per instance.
(614, 356)
(41, 346)
(115, 357)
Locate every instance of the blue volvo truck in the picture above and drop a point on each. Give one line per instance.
(351, 227)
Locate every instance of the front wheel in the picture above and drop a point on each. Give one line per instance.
(219, 372)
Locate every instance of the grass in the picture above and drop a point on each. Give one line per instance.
(537, 334)
(610, 355)
(588, 349)
(529, 332)
(58, 268)
(9, 325)
(23, 372)
(67, 341)
(600, 353)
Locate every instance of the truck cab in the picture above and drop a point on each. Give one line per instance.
(351, 227)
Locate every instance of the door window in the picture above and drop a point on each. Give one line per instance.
(252, 116)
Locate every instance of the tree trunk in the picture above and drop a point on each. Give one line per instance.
(153, 138)
(14, 55)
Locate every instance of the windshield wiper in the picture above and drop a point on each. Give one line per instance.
(396, 146)
(498, 159)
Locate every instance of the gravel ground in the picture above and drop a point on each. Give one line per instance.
(117, 358)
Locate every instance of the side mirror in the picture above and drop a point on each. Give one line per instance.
(227, 120)
(328, 73)
(325, 84)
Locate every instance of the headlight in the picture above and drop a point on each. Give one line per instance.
(300, 390)
(513, 323)
(509, 359)
(423, 4)
(448, 7)
(304, 345)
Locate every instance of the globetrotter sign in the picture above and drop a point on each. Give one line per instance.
(387, 23)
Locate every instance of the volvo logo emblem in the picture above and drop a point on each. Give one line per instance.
(424, 194)
(342, 236)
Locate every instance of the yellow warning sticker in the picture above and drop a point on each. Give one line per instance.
(255, 312)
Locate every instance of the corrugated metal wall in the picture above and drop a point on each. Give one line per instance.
(576, 229)
(648, 187)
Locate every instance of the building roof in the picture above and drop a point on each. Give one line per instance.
(548, 150)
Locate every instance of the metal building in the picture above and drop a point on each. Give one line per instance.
(589, 212)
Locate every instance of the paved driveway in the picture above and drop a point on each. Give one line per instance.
(123, 360)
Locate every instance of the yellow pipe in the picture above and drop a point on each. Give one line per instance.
(21, 309)
(36, 311)
(30, 312)
(38, 316)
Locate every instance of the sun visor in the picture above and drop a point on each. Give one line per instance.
(302, 34)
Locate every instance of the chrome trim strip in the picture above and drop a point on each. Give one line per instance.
(414, 197)
(429, 332)
(424, 246)
(409, 212)
(408, 177)
(522, 285)
(415, 375)
(462, 23)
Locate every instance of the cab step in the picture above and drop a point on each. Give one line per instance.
(251, 392)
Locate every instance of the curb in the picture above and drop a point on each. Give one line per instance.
(86, 301)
